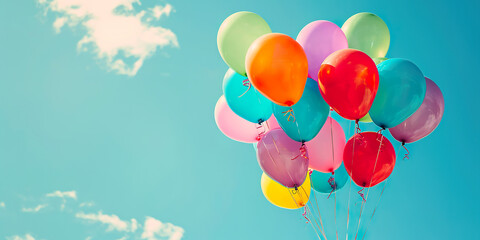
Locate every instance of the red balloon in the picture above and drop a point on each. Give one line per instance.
(348, 81)
(360, 164)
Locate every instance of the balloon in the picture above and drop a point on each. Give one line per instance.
(348, 82)
(368, 33)
(425, 119)
(320, 148)
(319, 39)
(363, 165)
(234, 126)
(307, 116)
(277, 67)
(236, 34)
(281, 158)
(366, 119)
(283, 197)
(329, 182)
(400, 93)
(244, 100)
(272, 123)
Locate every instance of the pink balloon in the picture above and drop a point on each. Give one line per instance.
(320, 148)
(319, 39)
(425, 119)
(234, 126)
(272, 123)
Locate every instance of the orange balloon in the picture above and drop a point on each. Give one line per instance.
(277, 67)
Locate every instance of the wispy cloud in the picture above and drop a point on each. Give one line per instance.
(155, 230)
(86, 204)
(113, 222)
(63, 196)
(114, 31)
(34, 209)
(66, 194)
(17, 237)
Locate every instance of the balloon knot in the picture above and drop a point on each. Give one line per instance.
(261, 129)
(291, 114)
(407, 155)
(357, 127)
(303, 152)
(333, 185)
(361, 194)
(310, 171)
(304, 214)
(246, 83)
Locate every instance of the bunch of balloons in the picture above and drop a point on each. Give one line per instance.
(279, 92)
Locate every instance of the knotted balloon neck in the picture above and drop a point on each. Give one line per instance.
(261, 129)
(361, 194)
(246, 83)
(290, 114)
(304, 214)
(332, 183)
(357, 127)
(303, 152)
(407, 155)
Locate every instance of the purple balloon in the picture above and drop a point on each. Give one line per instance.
(281, 158)
(319, 39)
(425, 119)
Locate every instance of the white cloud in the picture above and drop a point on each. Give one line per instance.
(112, 221)
(114, 30)
(86, 204)
(66, 194)
(63, 196)
(2, 204)
(154, 230)
(17, 237)
(35, 209)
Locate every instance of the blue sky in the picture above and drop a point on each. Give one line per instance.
(91, 148)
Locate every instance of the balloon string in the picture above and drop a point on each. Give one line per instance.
(322, 229)
(333, 173)
(332, 183)
(361, 194)
(407, 155)
(246, 83)
(371, 179)
(304, 214)
(303, 152)
(295, 201)
(262, 129)
(351, 176)
(375, 209)
(290, 113)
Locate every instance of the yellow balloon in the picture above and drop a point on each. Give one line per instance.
(283, 197)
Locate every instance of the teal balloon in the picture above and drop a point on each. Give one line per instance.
(308, 115)
(400, 92)
(244, 99)
(320, 180)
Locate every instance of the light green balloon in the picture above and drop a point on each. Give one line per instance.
(368, 33)
(366, 119)
(235, 36)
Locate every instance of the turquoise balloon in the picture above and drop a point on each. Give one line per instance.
(320, 182)
(308, 115)
(400, 92)
(244, 99)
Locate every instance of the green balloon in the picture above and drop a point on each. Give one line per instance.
(368, 33)
(366, 119)
(235, 36)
